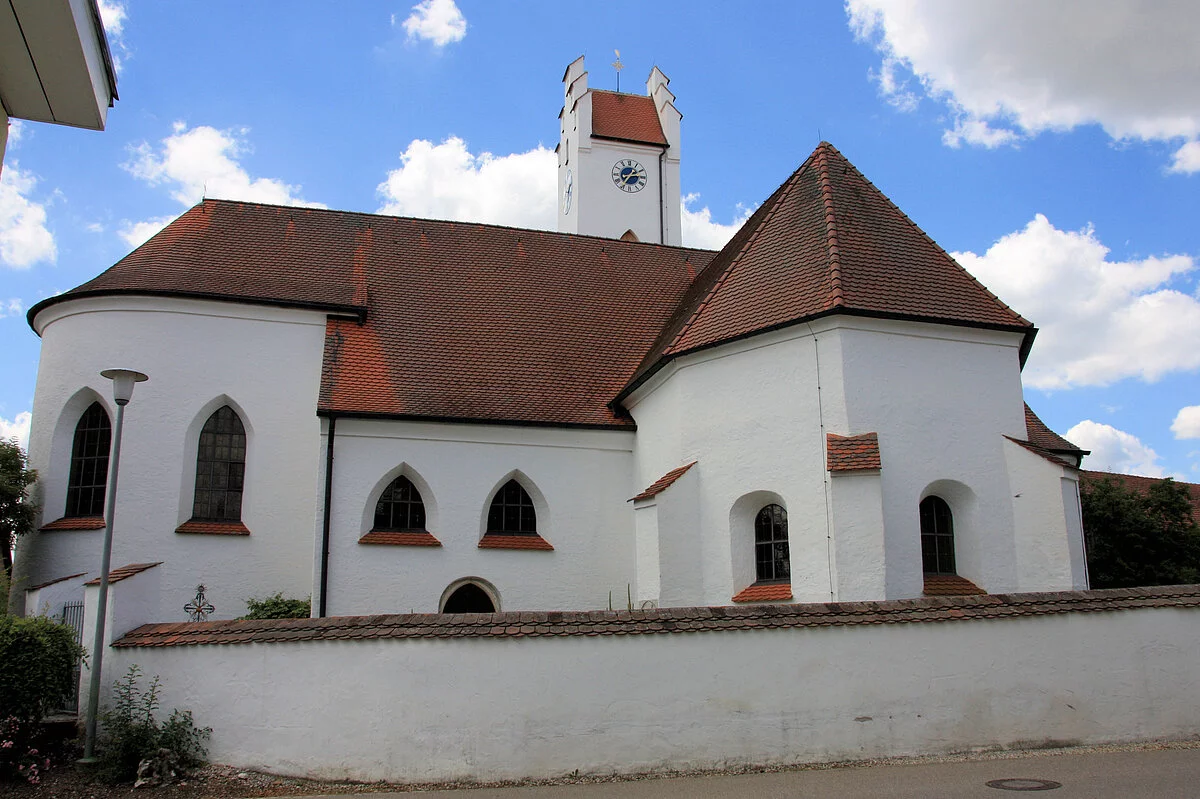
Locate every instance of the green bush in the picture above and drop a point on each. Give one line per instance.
(133, 734)
(37, 667)
(277, 607)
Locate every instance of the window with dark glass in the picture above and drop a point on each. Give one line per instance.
(772, 561)
(512, 511)
(400, 507)
(937, 536)
(88, 477)
(220, 468)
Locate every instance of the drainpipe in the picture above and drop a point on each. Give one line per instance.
(662, 212)
(323, 605)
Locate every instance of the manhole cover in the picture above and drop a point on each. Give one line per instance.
(1024, 785)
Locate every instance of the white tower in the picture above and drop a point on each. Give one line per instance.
(618, 160)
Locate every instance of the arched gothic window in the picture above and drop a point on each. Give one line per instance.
(220, 468)
(937, 536)
(771, 556)
(400, 507)
(512, 512)
(88, 477)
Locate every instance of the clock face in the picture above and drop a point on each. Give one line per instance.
(629, 176)
(568, 191)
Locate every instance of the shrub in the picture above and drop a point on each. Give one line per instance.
(20, 757)
(133, 734)
(277, 607)
(37, 674)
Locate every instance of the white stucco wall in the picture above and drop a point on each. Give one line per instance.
(580, 481)
(748, 413)
(1048, 536)
(49, 600)
(509, 708)
(265, 362)
(860, 562)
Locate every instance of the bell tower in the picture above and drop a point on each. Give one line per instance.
(618, 160)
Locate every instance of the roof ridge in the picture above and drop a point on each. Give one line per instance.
(772, 206)
(836, 298)
(908, 220)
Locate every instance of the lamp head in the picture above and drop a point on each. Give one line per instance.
(123, 381)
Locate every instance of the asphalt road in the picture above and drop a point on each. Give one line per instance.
(1158, 773)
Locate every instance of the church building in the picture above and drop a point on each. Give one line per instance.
(395, 414)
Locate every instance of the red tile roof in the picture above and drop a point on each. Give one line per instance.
(467, 322)
(124, 572)
(627, 117)
(1142, 485)
(212, 528)
(827, 241)
(852, 453)
(950, 585)
(75, 523)
(1041, 436)
(665, 621)
(49, 583)
(764, 593)
(663, 483)
(501, 541)
(407, 539)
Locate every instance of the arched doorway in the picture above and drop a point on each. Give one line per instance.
(469, 598)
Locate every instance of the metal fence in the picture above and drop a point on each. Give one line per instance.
(72, 616)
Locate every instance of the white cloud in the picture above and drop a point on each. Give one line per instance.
(1114, 450)
(16, 129)
(197, 163)
(1100, 320)
(17, 428)
(11, 307)
(699, 229)
(136, 234)
(437, 21)
(1187, 158)
(24, 237)
(1187, 422)
(445, 181)
(1031, 66)
(113, 14)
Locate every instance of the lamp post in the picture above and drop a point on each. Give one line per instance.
(123, 382)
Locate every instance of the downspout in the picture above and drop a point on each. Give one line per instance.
(824, 466)
(323, 605)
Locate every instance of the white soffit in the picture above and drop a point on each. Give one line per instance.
(54, 65)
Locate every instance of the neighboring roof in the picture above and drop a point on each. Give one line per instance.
(827, 241)
(460, 321)
(852, 453)
(124, 572)
(1142, 485)
(1043, 437)
(665, 621)
(626, 117)
(663, 483)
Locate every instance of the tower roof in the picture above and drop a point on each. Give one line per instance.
(827, 241)
(626, 117)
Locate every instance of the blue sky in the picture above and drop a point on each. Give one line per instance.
(1054, 148)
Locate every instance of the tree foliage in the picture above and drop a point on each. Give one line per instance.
(1137, 538)
(17, 511)
(278, 607)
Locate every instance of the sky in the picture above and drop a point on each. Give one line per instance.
(1052, 147)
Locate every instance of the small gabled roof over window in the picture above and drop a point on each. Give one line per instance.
(124, 572)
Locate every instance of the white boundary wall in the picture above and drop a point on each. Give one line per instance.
(476, 708)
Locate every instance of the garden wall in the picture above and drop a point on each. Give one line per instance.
(488, 697)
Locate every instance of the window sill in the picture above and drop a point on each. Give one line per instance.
(503, 541)
(764, 592)
(75, 523)
(197, 527)
(950, 585)
(401, 538)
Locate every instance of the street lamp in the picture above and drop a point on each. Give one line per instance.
(123, 382)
